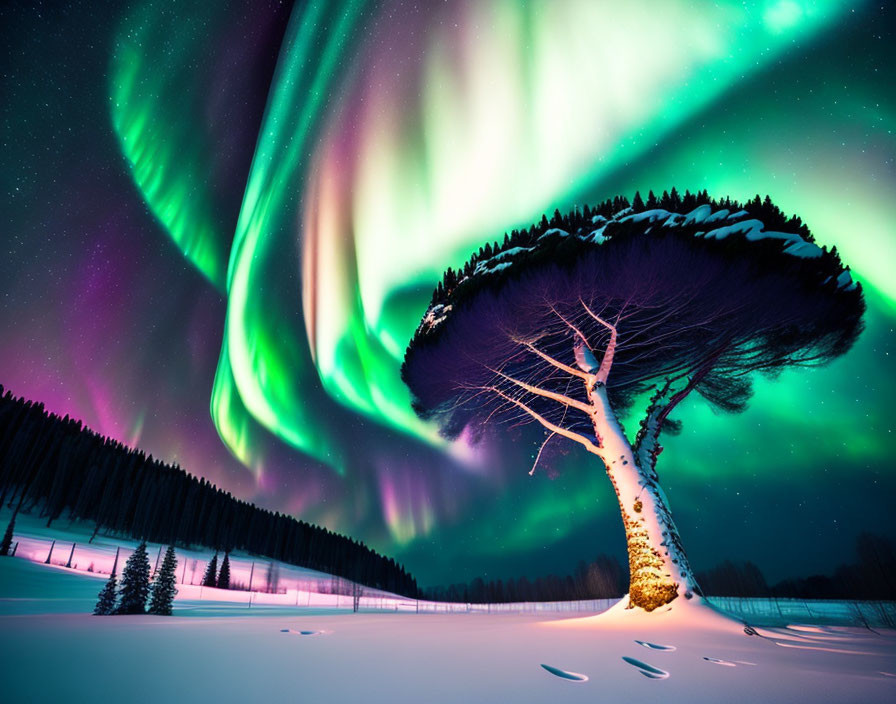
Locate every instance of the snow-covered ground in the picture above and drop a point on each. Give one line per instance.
(65, 545)
(299, 643)
(208, 651)
(71, 546)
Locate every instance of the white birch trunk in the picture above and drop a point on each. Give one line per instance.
(659, 571)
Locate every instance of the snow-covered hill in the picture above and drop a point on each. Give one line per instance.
(225, 653)
(299, 643)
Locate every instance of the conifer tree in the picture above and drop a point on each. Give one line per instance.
(105, 604)
(210, 579)
(224, 575)
(163, 587)
(674, 198)
(135, 583)
(6, 545)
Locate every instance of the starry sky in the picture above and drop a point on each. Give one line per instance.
(221, 223)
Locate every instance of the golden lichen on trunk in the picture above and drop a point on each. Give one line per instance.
(651, 586)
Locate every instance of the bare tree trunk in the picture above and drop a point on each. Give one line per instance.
(658, 569)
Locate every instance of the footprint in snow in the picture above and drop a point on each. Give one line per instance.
(648, 671)
(655, 646)
(725, 663)
(564, 674)
(301, 633)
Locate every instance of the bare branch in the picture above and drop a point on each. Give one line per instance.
(572, 327)
(553, 362)
(581, 439)
(540, 450)
(560, 398)
(607, 362)
(646, 445)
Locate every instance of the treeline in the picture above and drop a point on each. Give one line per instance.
(55, 465)
(604, 578)
(871, 577)
(583, 220)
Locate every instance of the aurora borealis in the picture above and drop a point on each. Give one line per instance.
(223, 221)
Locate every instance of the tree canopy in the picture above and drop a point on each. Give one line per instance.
(708, 296)
(134, 582)
(163, 588)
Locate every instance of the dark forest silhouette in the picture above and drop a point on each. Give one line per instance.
(604, 578)
(871, 576)
(55, 465)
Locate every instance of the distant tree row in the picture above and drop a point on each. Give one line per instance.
(584, 220)
(604, 578)
(871, 577)
(55, 465)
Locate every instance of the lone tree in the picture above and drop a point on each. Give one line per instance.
(569, 323)
(135, 582)
(210, 578)
(224, 574)
(163, 588)
(105, 604)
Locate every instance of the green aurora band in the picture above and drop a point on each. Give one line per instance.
(170, 157)
(394, 144)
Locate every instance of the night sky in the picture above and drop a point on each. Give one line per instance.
(221, 223)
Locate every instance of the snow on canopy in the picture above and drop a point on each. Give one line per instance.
(741, 282)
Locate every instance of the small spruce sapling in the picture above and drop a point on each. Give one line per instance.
(224, 574)
(105, 604)
(135, 583)
(163, 588)
(6, 545)
(210, 579)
